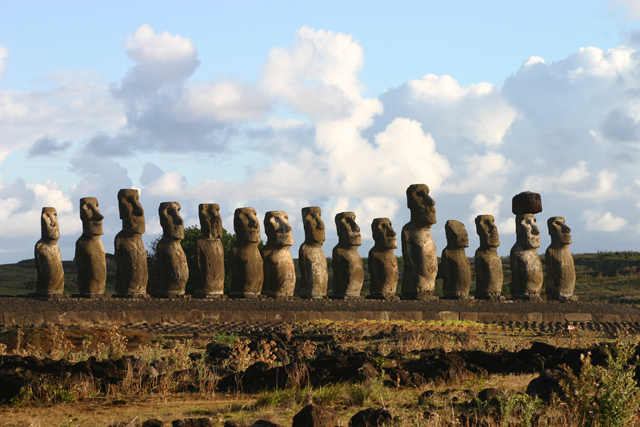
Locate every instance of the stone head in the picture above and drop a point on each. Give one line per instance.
(527, 232)
(90, 216)
(210, 220)
(559, 231)
(313, 225)
(246, 225)
(457, 236)
(278, 229)
(171, 221)
(383, 234)
(422, 206)
(49, 224)
(348, 230)
(487, 230)
(131, 212)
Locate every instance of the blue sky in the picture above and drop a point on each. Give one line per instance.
(281, 105)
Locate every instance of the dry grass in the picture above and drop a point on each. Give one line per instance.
(79, 402)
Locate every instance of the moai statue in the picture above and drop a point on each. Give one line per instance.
(489, 274)
(90, 257)
(173, 270)
(383, 264)
(561, 272)
(314, 277)
(348, 273)
(209, 281)
(456, 268)
(48, 259)
(279, 270)
(526, 267)
(131, 256)
(418, 248)
(246, 262)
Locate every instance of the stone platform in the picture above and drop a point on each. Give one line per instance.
(25, 312)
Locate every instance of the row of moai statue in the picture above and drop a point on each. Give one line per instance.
(271, 271)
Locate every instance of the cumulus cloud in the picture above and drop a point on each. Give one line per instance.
(598, 221)
(456, 116)
(164, 113)
(317, 75)
(306, 134)
(578, 182)
(73, 110)
(161, 60)
(47, 146)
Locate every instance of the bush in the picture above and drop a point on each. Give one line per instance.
(606, 395)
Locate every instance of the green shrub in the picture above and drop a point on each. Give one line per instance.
(606, 395)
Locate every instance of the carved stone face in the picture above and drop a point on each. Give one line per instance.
(313, 225)
(456, 234)
(348, 230)
(131, 212)
(559, 231)
(278, 229)
(210, 220)
(487, 230)
(49, 224)
(383, 233)
(422, 206)
(90, 216)
(246, 225)
(171, 221)
(528, 233)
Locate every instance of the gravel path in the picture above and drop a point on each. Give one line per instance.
(18, 304)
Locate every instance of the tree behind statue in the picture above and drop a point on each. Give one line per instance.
(191, 234)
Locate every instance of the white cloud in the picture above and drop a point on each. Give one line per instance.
(481, 171)
(222, 101)
(578, 182)
(370, 208)
(598, 221)
(71, 111)
(306, 134)
(452, 113)
(161, 59)
(317, 74)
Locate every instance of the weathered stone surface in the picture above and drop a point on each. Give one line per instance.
(348, 271)
(418, 248)
(548, 383)
(131, 256)
(456, 268)
(383, 264)
(561, 271)
(314, 277)
(209, 278)
(245, 259)
(279, 270)
(526, 202)
(47, 254)
(371, 418)
(489, 274)
(192, 422)
(526, 267)
(316, 416)
(90, 257)
(173, 270)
